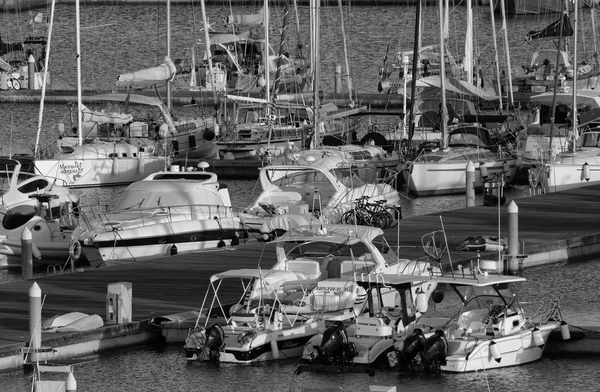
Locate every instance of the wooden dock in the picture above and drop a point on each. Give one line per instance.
(555, 227)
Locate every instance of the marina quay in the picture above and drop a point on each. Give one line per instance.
(165, 296)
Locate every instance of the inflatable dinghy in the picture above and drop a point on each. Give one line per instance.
(484, 244)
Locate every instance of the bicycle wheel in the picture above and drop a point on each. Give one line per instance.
(349, 218)
(395, 215)
(380, 219)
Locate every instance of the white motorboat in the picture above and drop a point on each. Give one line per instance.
(46, 208)
(166, 213)
(443, 171)
(125, 139)
(490, 330)
(328, 186)
(313, 281)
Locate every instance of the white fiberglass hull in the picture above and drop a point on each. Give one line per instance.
(265, 345)
(100, 171)
(158, 239)
(468, 355)
(430, 178)
(561, 177)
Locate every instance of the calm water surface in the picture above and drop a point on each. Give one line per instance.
(123, 38)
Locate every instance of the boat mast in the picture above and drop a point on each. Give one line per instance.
(44, 80)
(210, 77)
(416, 48)
(169, 103)
(498, 82)
(574, 109)
(504, 28)
(553, 105)
(349, 79)
(78, 56)
(444, 109)
(282, 45)
(315, 49)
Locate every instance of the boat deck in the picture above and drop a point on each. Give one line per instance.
(554, 227)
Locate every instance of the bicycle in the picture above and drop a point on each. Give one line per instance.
(375, 214)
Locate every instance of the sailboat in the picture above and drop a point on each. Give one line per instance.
(539, 75)
(240, 57)
(579, 164)
(126, 136)
(443, 170)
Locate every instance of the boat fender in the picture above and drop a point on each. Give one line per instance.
(274, 347)
(408, 166)
(75, 249)
(564, 331)
(538, 337)
(495, 351)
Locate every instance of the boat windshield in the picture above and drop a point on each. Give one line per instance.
(319, 249)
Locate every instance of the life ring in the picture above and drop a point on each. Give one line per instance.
(75, 249)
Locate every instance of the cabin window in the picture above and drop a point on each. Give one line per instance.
(33, 186)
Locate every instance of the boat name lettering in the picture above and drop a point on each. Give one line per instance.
(330, 289)
(71, 168)
(289, 344)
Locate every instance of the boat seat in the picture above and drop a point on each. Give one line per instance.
(308, 267)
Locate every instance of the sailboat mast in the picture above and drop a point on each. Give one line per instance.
(553, 105)
(78, 55)
(210, 77)
(468, 59)
(508, 70)
(266, 57)
(282, 45)
(315, 49)
(444, 110)
(349, 79)
(44, 80)
(498, 82)
(574, 110)
(169, 103)
(416, 49)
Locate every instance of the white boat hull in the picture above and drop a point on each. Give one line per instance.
(167, 238)
(289, 342)
(561, 177)
(430, 178)
(514, 350)
(100, 171)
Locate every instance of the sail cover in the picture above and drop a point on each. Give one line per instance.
(552, 31)
(246, 19)
(149, 76)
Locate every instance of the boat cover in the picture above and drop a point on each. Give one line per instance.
(552, 31)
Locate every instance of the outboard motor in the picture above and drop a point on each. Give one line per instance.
(437, 348)
(214, 343)
(335, 347)
(411, 356)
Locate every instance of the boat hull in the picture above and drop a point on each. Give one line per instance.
(549, 178)
(290, 343)
(514, 350)
(100, 171)
(430, 179)
(167, 239)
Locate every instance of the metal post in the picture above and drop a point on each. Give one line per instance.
(470, 185)
(26, 254)
(513, 238)
(35, 319)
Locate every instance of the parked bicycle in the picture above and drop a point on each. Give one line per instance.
(374, 213)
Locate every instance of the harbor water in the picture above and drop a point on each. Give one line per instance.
(121, 38)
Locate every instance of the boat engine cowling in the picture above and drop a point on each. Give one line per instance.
(411, 354)
(215, 342)
(334, 345)
(437, 349)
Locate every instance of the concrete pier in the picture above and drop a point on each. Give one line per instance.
(552, 228)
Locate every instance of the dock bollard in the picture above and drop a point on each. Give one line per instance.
(71, 384)
(513, 238)
(26, 254)
(31, 72)
(35, 320)
(470, 185)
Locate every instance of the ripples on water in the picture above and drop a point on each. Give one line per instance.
(110, 49)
